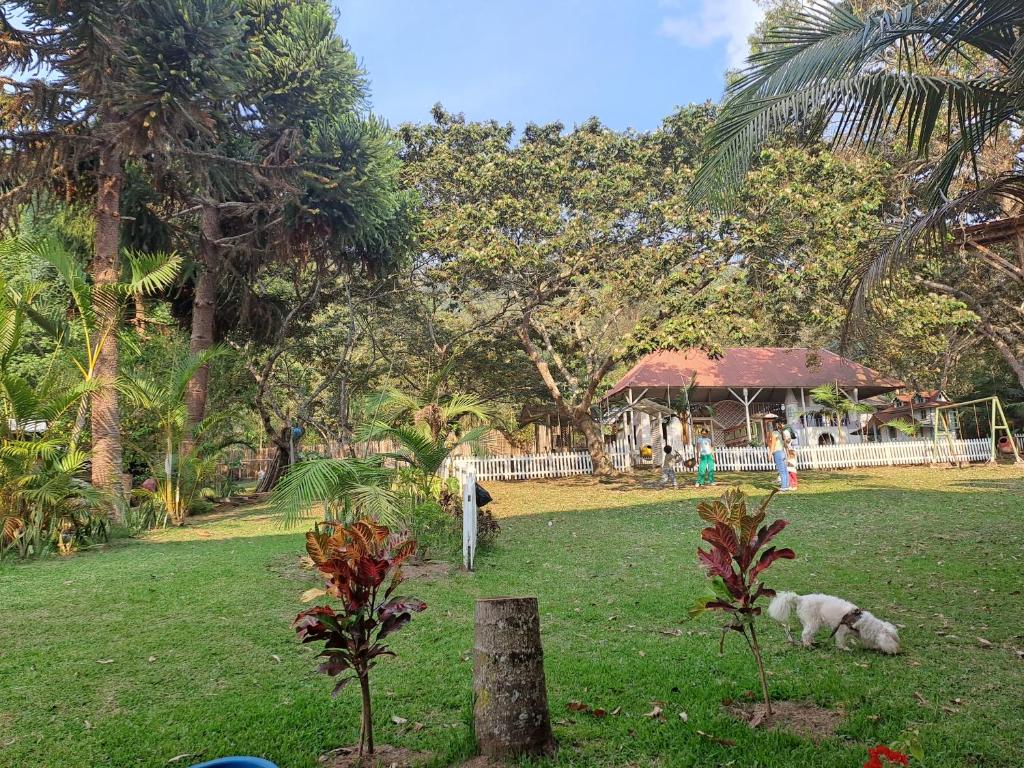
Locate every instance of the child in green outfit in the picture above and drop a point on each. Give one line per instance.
(706, 452)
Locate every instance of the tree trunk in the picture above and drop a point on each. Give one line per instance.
(279, 466)
(510, 703)
(595, 443)
(1011, 356)
(204, 306)
(106, 271)
(139, 321)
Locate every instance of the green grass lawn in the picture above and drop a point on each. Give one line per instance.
(180, 643)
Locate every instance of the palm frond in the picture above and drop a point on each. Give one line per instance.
(830, 63)
(364, 484)
(416, 447)
(151, 272)
(473, 436)
(460, 406)
(18, 398)
(391, 406)
(142, 392)
(51, 251)
(182, 374)
(930, 230)
(864, 109)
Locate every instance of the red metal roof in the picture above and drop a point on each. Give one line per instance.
(762, 367)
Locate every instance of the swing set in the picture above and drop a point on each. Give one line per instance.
(1004, 444)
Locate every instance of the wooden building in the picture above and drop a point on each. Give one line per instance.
(668, 396)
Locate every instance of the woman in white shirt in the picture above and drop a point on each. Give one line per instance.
(706, 452)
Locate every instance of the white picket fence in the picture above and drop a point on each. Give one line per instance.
(532, 466)
(902, 453)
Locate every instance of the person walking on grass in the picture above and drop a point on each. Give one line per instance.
(706, 467)
(669, 467)
(778, 447)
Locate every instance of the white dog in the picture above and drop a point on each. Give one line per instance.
(841, 616)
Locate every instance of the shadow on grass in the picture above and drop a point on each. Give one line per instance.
(1007, 484)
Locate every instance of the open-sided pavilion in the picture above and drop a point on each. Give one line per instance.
(732, 393)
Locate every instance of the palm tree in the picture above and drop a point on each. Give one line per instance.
(947, 74)
(837, 406)
(41, 491)
(420, 455)
(165, 401)
(93, 85)
(423, 431)
(91, 325)
(432, 413)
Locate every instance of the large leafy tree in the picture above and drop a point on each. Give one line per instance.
(94, 85)
(574, 241)
(800, 226)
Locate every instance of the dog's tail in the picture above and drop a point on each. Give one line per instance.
(781, 605)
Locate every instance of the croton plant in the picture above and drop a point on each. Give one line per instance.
(361, 564)
(737, 556)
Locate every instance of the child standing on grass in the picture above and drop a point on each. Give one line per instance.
(791, 469)
(668, 467)
(790, 439)
(706, 452)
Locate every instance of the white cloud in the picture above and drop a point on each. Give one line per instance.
(730, 20)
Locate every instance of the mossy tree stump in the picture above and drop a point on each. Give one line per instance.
(510, 701)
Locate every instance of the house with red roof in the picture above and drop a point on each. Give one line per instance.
(916, 410)
(671, 394)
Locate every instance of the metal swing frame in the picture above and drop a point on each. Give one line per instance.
(997, 422)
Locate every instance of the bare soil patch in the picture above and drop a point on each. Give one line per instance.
(428, 570)
(301, 569)
(384, 756)
(294, 568)
(798, 717)
(481, 761)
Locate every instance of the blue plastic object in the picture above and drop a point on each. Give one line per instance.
(237, 762)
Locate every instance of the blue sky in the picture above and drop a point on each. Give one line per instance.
(629, 62)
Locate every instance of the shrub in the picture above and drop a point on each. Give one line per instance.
(736, 539)
(356, 561)
(434, 530)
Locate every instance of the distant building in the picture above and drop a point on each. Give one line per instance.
(669, 395)
(915, 410)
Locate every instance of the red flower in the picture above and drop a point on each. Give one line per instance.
(891, 755)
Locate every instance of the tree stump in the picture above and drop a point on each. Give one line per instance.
(510, 701)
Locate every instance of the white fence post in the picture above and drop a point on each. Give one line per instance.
(467, 479)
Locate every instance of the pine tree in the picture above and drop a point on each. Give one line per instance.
(92, 86)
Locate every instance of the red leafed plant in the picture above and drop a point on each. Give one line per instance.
(735, 561)
(361, 564)
(876, 754)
